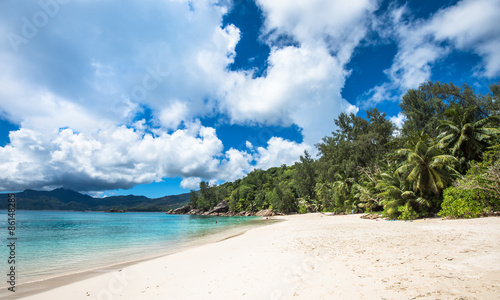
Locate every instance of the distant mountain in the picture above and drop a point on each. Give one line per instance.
(63, 199)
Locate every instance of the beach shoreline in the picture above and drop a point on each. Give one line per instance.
(56, 280)
(315, 256)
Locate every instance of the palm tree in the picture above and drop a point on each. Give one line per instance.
(342, 183)
(325, 195)
(426, 167)
(396, 193)
(365, 191)
(463, 135)
(342, 189)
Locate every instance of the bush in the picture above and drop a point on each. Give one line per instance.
(302, 209)
(407, 213)
(460, 203)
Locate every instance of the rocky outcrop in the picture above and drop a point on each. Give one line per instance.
(265, 213)
(222, 207)
(220, 210)
(195, 211)
(114, 210)
(182, 210)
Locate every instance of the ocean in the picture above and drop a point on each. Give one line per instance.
(55, 243)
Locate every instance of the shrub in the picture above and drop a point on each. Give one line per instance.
(407, 213)
(459, 203)
(302, 209)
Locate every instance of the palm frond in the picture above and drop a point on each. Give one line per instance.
(423, 201)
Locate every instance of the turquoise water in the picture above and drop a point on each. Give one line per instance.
(54, 243)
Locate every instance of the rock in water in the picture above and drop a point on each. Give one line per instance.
(222, 207)
(195, 211)
(182, 210)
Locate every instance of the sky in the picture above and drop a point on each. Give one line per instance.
(151, 97)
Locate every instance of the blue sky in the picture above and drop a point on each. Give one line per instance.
(150, 97)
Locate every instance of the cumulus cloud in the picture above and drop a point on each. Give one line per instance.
(337, 24)
(304, 80)
(79, 86)
(469, 25)
(152, 54)
(302, 87)
(119, 157)
(191, 183)
(278, 152)
(472, 25)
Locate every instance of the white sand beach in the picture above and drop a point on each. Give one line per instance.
(317, 256)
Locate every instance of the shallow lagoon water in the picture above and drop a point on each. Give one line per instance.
(55, 243)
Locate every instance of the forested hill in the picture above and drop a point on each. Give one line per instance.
(63, 199)
(443, 159)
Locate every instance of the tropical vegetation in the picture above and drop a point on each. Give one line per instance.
(442, 160)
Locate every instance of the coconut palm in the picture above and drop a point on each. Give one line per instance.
(342, 183)
(325, 195)
(396, 192)
(427, 169)
(342, 188)
(365, 191)
(463, 135)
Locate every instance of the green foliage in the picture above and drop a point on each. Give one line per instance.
(325, 195)
(396, 192)
(368, 165)
(234, 201)
(465, 134)
(193, 199)
(484, 176)
(426, 167)
(365, 191)
(283, 199)
(423, 107)
(305, 177)
(206, 198)
(459, 203)
(357, 143)
(407, 213)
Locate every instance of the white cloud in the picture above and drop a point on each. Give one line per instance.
(469, 25)
(278, 152)
(151, 54)
(191, 183)
(122, 157)
(412, 65)
(472, 25)
(119, 157)
(235, 165)
(379, 93)
(416, 53)
(352, 109)
(172, 116)
(79, 86)
(303, 82)
(398, 120)
(340, 25)
(302, 86)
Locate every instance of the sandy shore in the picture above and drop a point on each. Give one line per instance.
(316, 256)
